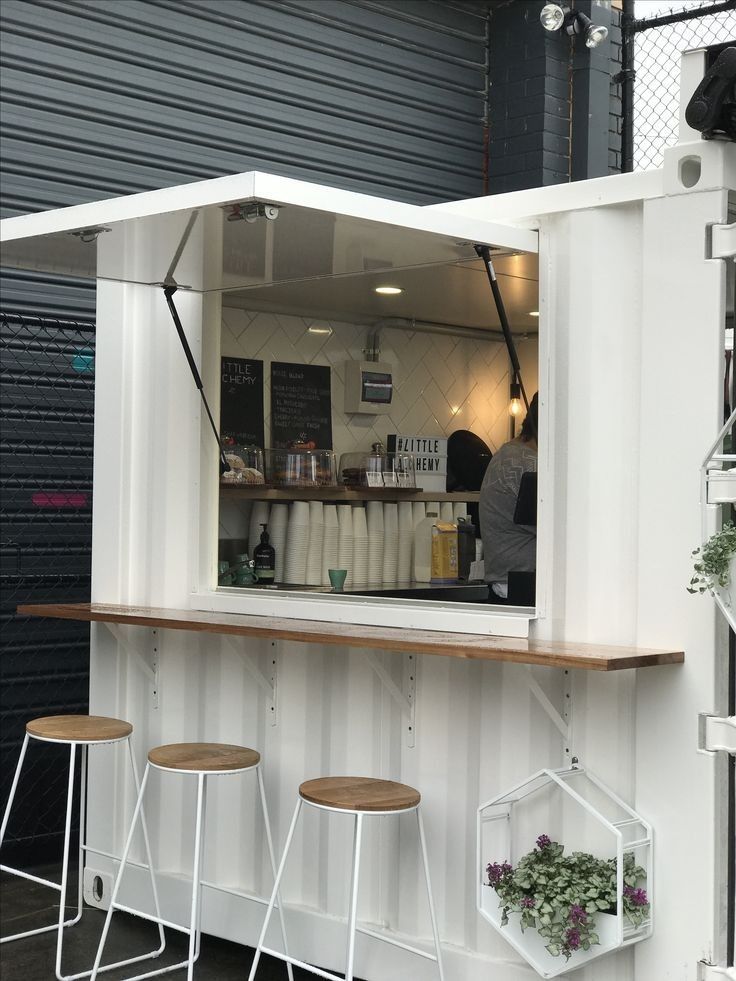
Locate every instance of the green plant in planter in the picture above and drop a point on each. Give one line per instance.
(712, 567)
(560, 895)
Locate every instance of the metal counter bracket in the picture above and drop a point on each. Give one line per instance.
(405, 697)
(151, 670)
(268, 681)
(562, 720)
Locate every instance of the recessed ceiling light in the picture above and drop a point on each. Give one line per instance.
(389, 290)
(319, 330)
(534, 313)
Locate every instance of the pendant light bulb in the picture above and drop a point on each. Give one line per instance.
(515, 399)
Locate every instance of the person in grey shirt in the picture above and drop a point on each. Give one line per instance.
(508, 546)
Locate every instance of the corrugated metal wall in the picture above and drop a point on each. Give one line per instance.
(101, 99)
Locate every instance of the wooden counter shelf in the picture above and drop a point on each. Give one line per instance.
(592, 657)
(260, 492)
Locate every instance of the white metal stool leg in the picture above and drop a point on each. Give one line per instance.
(65, 860)
(147, 844)
(279, 875)
(62, 887)
(353, 927)
(194, 919)
(352, 916)
(96, 968)
(13, 788)
(432, 916)
(272, 857)
(19, 872)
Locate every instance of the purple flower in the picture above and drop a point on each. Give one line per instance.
(572, 938)
(527, 903)
(637, 897)
(497, 873)
(543, 841)
(577, 915)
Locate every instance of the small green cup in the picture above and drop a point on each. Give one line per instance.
(337, 578)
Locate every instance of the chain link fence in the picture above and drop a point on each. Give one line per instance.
(46, 409)
(652, 47)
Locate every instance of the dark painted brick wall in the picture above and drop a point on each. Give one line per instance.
(530, 100)
(529, 105)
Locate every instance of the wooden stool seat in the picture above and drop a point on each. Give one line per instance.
(79, 728)
(360, 794)
(204, 757)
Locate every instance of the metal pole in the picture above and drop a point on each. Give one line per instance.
(485, 254)
(169, 294)
(627, 79)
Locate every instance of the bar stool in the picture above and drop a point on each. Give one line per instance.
(362, 797)
(75, 731)
(202, 760)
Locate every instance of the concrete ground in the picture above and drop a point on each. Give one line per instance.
(26, 905)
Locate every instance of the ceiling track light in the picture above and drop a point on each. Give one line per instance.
(555, 17)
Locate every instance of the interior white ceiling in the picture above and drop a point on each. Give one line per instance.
(457, 294)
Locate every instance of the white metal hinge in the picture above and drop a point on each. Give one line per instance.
(709, 972)
(721, 241)
(716, 734)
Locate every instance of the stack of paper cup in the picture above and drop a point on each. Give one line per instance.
(374, 522)
(297, 543)
(329, 546)
(258, 517)
(360, 546)
(345, 540)
(418, 512)
(390, 572)
(277, 526)
(446, 513)
(406, 540)
(316, 536)
(459, 510)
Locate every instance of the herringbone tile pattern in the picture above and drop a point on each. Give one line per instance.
(442, 383)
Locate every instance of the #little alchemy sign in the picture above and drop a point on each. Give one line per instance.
(430, 458)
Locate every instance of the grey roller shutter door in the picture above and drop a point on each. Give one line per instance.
(101, 99)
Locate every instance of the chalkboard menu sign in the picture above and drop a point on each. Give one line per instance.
(241, 400)
(301, 405)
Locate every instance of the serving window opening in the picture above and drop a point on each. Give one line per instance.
(359, 427)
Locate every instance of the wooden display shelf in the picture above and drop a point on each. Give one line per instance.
(261, 492)
(592, 657)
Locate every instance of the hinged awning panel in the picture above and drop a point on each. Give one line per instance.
(305, 232)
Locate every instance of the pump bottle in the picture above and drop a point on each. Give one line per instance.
(265, 558)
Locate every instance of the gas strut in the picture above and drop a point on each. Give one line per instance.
(169, 294)
(484, 253)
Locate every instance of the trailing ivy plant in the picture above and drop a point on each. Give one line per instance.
(560, 895)
(714, 558)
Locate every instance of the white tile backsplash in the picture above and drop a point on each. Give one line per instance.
(434, 373)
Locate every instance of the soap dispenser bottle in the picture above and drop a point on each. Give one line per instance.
(265, 558)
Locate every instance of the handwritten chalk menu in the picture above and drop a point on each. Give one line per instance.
(241, 400)
(301, 404)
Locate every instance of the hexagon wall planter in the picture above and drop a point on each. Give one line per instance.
(575, 809)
